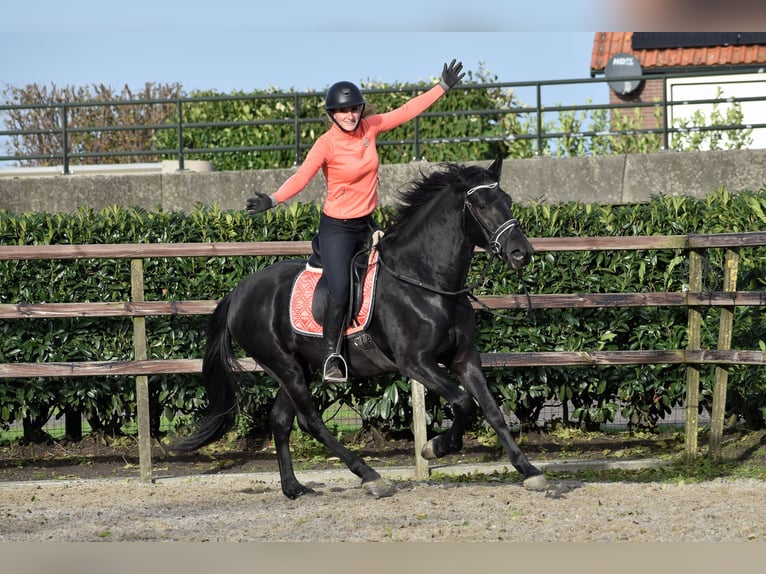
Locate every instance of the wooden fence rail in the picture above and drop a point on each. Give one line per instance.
(693, 356)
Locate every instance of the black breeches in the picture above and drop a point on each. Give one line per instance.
(339, 241)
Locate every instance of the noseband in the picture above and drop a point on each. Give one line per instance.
(492, 237)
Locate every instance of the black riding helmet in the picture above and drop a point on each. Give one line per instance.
(343, 95)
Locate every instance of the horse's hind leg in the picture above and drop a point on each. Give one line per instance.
(310, 421)
(282, 417)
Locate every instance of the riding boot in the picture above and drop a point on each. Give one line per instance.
(335, 368)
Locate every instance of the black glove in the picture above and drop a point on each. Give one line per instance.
(451, 74)
(261, 202)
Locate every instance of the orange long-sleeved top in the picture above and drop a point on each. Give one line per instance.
(349, 160)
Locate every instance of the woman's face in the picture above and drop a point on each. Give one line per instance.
(347, 118)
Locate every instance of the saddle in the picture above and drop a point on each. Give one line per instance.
(309, 294)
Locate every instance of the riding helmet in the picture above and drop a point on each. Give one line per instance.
(343, 95)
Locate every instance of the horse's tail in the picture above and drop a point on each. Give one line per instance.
(218, 368)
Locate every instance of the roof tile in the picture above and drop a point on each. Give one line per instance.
(606, 44)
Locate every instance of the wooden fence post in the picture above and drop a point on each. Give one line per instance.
(142, 381)
(419, 427)
(693, 344)
(731, 268)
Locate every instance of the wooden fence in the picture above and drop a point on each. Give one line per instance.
(694, 357)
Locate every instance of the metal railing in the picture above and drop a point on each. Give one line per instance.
(535, 115)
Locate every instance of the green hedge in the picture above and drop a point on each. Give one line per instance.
(643, 394)
(272, 112)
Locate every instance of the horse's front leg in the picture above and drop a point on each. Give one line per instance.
(472, 378)
(426, 371)
(451, 440)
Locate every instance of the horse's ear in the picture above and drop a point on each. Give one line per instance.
(496, 167)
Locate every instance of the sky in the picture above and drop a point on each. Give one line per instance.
(264, 60)
(306, 45)
(241, 45)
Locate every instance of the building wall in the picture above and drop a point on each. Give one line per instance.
(649, 91)
(699, 88)
(725, 87)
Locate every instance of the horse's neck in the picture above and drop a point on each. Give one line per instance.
(432, 253)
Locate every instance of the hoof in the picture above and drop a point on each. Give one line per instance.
(427, 452)
(379, 488)
(537, 482)
(297, 491)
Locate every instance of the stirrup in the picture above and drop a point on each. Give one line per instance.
(344, 369)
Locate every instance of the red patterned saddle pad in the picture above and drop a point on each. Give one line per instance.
(301, 316)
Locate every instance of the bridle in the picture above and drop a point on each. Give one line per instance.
(492, 237)
(494, 247)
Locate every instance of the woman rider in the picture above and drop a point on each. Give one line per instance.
(347, 155)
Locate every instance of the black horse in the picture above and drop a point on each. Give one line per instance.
(421, 319)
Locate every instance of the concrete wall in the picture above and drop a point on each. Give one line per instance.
(606, 180)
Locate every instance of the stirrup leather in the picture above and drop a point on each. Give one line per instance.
(344, 369)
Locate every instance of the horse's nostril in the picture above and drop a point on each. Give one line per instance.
(520, 258)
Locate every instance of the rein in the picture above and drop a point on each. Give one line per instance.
(493, 241)
(467, 291)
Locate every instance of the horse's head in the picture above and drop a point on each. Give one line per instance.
(489, 222)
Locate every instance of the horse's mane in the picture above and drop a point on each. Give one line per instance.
(449, 178)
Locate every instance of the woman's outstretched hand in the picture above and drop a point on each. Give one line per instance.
(261, 202)
(451, 74)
